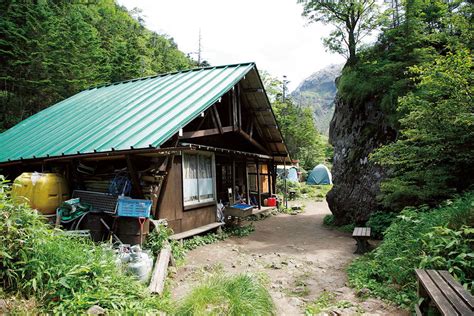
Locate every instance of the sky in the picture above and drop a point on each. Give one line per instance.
(271, 33)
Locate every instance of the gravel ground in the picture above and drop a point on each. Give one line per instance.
(300, 257)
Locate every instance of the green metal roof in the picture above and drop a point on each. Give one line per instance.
(132, 114)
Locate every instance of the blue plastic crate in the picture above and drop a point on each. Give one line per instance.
(133, 207)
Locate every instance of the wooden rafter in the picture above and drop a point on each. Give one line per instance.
(216, 118)
(253, 141)
(206, 132)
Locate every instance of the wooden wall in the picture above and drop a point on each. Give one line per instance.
(171, 204)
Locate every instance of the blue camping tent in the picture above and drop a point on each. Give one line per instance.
(292, 173)
(319, 175)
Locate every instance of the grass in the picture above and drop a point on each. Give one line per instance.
(220, 294)
(327, 301)
(303, 190)
(157, 238)
(439, 238)
(63, 275)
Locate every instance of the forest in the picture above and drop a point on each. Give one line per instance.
(401, 147)
(54, 49)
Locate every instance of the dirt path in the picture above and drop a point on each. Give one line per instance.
(300, 256)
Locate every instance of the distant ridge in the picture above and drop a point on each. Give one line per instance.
(318, 92)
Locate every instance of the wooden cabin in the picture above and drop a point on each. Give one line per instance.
(185, 140)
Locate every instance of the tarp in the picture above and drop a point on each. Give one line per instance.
(319, 175)
(292, 173)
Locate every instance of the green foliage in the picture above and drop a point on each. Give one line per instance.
(330, 220)
(379, 222)
(352, 21)
(51, 50)
(302, 139)
(303, 190)
(435, 151)
(64, 274)
(444, 247)
(419, 75)
(157, 239)
(297, 126)
(440, 238)
(325, 301)
(242, 294)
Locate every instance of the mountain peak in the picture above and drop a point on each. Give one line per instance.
(318, 92)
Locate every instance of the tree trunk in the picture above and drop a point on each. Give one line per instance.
(352, 48)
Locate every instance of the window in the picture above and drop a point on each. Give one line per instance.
(198, 179)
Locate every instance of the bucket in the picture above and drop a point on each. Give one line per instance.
(42, 191)
(271, 201)
(128, 230)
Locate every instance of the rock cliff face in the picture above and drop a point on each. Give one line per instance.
(355, 131)
(318, 92)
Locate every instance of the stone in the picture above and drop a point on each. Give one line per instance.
(276, 266)
(295, 301)
(363, 292)
(95, 310)
(355, 132)
(3, 305)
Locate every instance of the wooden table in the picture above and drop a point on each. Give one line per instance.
(362, 236)
(438, 289)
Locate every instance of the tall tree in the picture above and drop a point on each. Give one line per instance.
(353, 20)
(50, 50)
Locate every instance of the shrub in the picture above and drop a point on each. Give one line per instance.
(64, 274)
(329, 220)
(242, 294)
(419, 238)
(379, 222)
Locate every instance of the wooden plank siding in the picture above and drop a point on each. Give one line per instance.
(171, 207)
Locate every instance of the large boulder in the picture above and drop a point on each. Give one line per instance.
(355, 131)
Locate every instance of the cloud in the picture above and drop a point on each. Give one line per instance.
(271, 33)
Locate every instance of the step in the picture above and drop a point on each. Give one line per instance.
(196, 231)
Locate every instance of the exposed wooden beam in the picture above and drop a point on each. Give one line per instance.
(249, 90)
(234, 109)
(202, 121)
(217, 118)
(239, 107)
(206, 132)
(136, 187)
(257, 110)
(253, 141)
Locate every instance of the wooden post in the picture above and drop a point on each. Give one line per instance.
(136, 187)
(285, 193)
(269, 179)
(247, 182)
(259, 190)
(233, 180)
(274, 176)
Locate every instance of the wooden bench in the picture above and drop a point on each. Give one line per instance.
(362, 236)
(438, 289)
